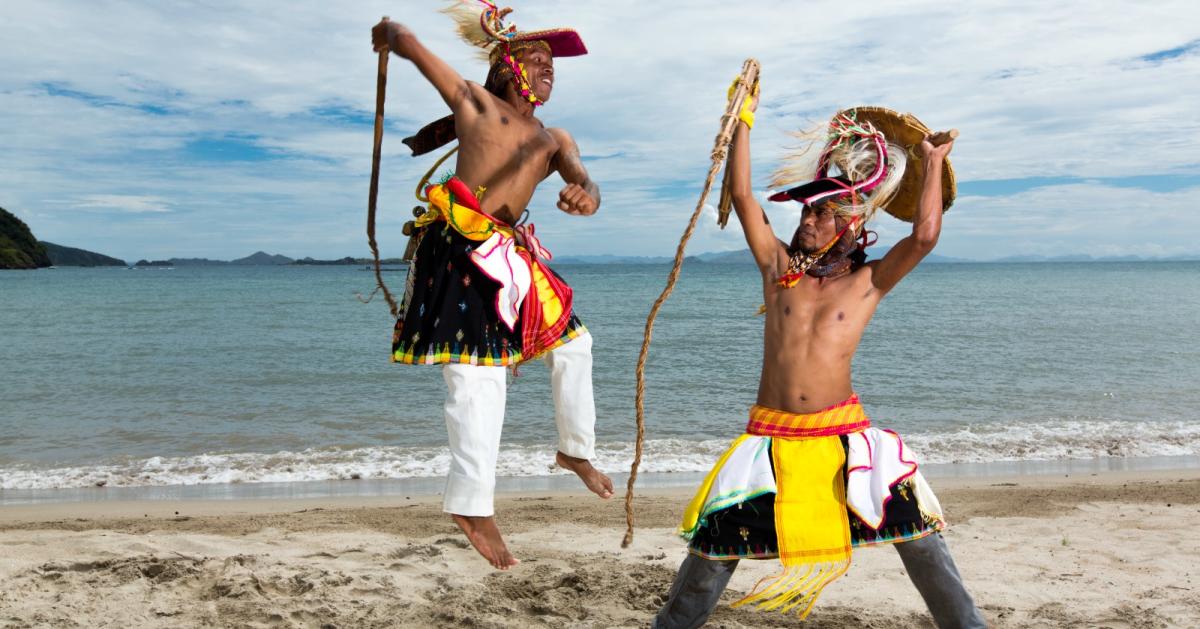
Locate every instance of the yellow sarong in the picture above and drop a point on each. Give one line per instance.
(810, 501)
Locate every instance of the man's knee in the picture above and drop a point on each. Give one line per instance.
(923, 549)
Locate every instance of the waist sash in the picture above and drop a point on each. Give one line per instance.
(529, 293)
(842, 418)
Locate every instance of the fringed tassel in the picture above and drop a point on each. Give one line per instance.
(798, 587)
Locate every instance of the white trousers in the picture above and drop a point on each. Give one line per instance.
(474, 411)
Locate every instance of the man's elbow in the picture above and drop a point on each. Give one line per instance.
(925, 241)
(742, 199)
(404, 44)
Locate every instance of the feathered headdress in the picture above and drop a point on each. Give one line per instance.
(480, 23)
(869, 169)
(875, 151)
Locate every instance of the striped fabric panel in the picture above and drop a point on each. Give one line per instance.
(843, 551)
(840, 419)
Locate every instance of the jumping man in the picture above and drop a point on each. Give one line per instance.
(479, 297)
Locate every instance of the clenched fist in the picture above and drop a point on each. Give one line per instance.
(573, 199)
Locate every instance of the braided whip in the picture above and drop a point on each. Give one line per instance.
(729, 122)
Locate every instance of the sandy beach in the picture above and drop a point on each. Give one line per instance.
(1106, 550)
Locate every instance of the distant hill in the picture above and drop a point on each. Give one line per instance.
(610, 259)
(70, 256)
(197, 262)
(308, 261)
(18, 248)
(262, 258)
(725, 257)
(1083, 257)
(258, 258)
(743, 256)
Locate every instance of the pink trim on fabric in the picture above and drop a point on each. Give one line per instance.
(499, 294)
(808, 432)
(901, 479)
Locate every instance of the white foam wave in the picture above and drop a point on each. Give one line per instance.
(1068, 439)
(1016, 442)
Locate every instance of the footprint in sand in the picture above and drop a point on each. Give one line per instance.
(422, 551)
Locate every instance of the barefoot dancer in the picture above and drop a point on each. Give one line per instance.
(478, 296)
(810, 479)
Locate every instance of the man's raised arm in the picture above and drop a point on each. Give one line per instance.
(759, 235)
(927, 224)
(397, 38)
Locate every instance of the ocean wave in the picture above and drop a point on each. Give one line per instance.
(978, 444)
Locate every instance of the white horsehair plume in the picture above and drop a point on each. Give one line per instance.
(466, 14)
(854, 159)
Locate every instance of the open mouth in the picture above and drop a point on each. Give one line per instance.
(548, 82)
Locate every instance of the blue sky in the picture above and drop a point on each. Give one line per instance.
(181, 129)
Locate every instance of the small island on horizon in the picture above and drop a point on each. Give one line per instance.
(20, 249)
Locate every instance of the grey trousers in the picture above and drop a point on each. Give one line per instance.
(700, 581)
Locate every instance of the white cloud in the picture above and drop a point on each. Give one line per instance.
(135, 204)
(1036, 90)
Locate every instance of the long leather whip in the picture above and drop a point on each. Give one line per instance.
(373, 195)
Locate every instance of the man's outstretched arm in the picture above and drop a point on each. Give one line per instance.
(927, 224)
(581, 196)
(762, 240)
(397, 38)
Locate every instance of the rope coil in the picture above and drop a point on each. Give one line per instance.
(746, 80)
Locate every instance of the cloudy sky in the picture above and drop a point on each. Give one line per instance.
(214, 129)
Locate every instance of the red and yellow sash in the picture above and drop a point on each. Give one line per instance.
(546, 307)
(840, 419)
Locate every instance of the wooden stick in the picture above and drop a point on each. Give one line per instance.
(728, 124)
(720, 149)
(373, 195)
(943, 137)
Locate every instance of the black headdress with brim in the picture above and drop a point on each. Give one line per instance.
(817, 191)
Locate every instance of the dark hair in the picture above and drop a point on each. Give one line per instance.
(499, 77)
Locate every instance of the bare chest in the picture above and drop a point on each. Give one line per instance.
(507, 156)
(817, 318)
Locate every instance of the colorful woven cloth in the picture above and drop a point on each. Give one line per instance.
(839, 419)
(477, 290)
(806, 489)
(810, 522)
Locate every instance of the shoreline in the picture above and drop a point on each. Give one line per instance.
(561, 482)
(1098, 485)
(1104, 549)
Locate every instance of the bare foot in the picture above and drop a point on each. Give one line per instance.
(485, 537)
(600, 484)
